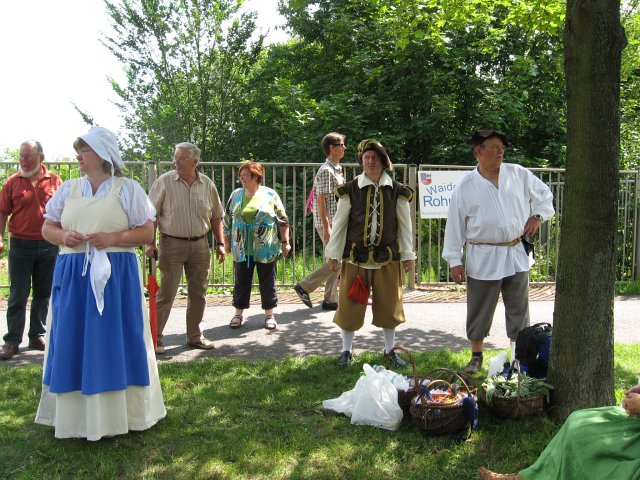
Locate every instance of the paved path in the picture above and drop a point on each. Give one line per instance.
(436, 319)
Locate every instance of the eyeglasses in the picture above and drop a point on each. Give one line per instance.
(494, 149)
(30, 156)
(245, 175)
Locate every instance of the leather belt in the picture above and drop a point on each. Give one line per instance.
(187, 239)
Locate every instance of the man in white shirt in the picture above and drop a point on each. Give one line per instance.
(493, 209)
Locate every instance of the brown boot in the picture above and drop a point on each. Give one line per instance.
(485, 474)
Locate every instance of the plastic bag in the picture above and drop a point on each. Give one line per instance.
(344, 403)
(359, 292)
(373, 401)
(496, 364)
(376, 401)
(398, 380)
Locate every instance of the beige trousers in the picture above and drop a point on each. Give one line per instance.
(195, 258)
(385, 285)
(322, 275)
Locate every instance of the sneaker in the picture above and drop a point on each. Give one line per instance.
(474, 365)
(159, 348)
(304, 296)
(394, 358)
(345, 359)
(329, 305)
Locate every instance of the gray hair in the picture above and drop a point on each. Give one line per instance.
(193, 149)
(37, 146)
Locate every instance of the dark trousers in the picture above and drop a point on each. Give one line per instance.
(31, 264)
(266, 281)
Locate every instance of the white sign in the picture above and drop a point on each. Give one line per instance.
(435, 189)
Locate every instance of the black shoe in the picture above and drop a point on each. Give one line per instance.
(345, 359)
(329, 305)
(304, 296)
(395, 358)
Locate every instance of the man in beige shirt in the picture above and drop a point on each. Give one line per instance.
(187, 206)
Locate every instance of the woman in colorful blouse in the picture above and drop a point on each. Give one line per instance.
(256, 232)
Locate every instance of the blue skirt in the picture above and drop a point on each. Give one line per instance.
(90, 352)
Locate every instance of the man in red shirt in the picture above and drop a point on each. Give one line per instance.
(31, 257)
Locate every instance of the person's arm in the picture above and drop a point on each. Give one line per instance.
(218, 238)
(454, 240)
(324, 218)
(141, 235)
(335, 247)
(3, 227)
(405, 234)
(54, 233)
(152, 250)
(283, 230)
(541, 204)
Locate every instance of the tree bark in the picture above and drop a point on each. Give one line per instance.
(581, 364)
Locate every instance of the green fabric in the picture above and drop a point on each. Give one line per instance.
(596, 443)
(250, 207)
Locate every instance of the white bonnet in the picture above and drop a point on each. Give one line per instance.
(105, 144)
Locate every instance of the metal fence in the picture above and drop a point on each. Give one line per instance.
(294, 182)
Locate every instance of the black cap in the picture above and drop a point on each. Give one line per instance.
(479, 136)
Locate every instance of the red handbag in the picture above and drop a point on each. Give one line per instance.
(359, 292)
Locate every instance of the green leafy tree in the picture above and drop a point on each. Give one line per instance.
(422, 75)
(630, 88)
(186, 65)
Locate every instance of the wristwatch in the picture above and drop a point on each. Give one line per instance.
(538, 217)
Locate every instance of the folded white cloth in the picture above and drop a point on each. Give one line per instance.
(99, 273)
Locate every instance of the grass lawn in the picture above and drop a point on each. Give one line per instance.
(264, 420)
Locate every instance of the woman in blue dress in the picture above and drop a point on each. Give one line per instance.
(100, 374)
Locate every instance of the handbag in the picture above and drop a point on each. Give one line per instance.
(359, 292)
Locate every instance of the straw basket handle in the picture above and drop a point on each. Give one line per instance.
(411, 360)
(445, 371)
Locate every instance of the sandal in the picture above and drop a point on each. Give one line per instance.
(270, 322)
(236, 321)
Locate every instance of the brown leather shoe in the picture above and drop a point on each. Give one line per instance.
(202, 344)
(8, 351)
(37, 344)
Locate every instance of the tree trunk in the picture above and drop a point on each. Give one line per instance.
(581, 365)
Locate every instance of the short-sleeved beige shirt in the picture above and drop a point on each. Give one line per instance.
(183, 210)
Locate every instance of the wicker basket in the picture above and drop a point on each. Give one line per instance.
(514, 407)
(404, 397)
(436, 418)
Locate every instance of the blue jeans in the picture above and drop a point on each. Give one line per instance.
(30, 262)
